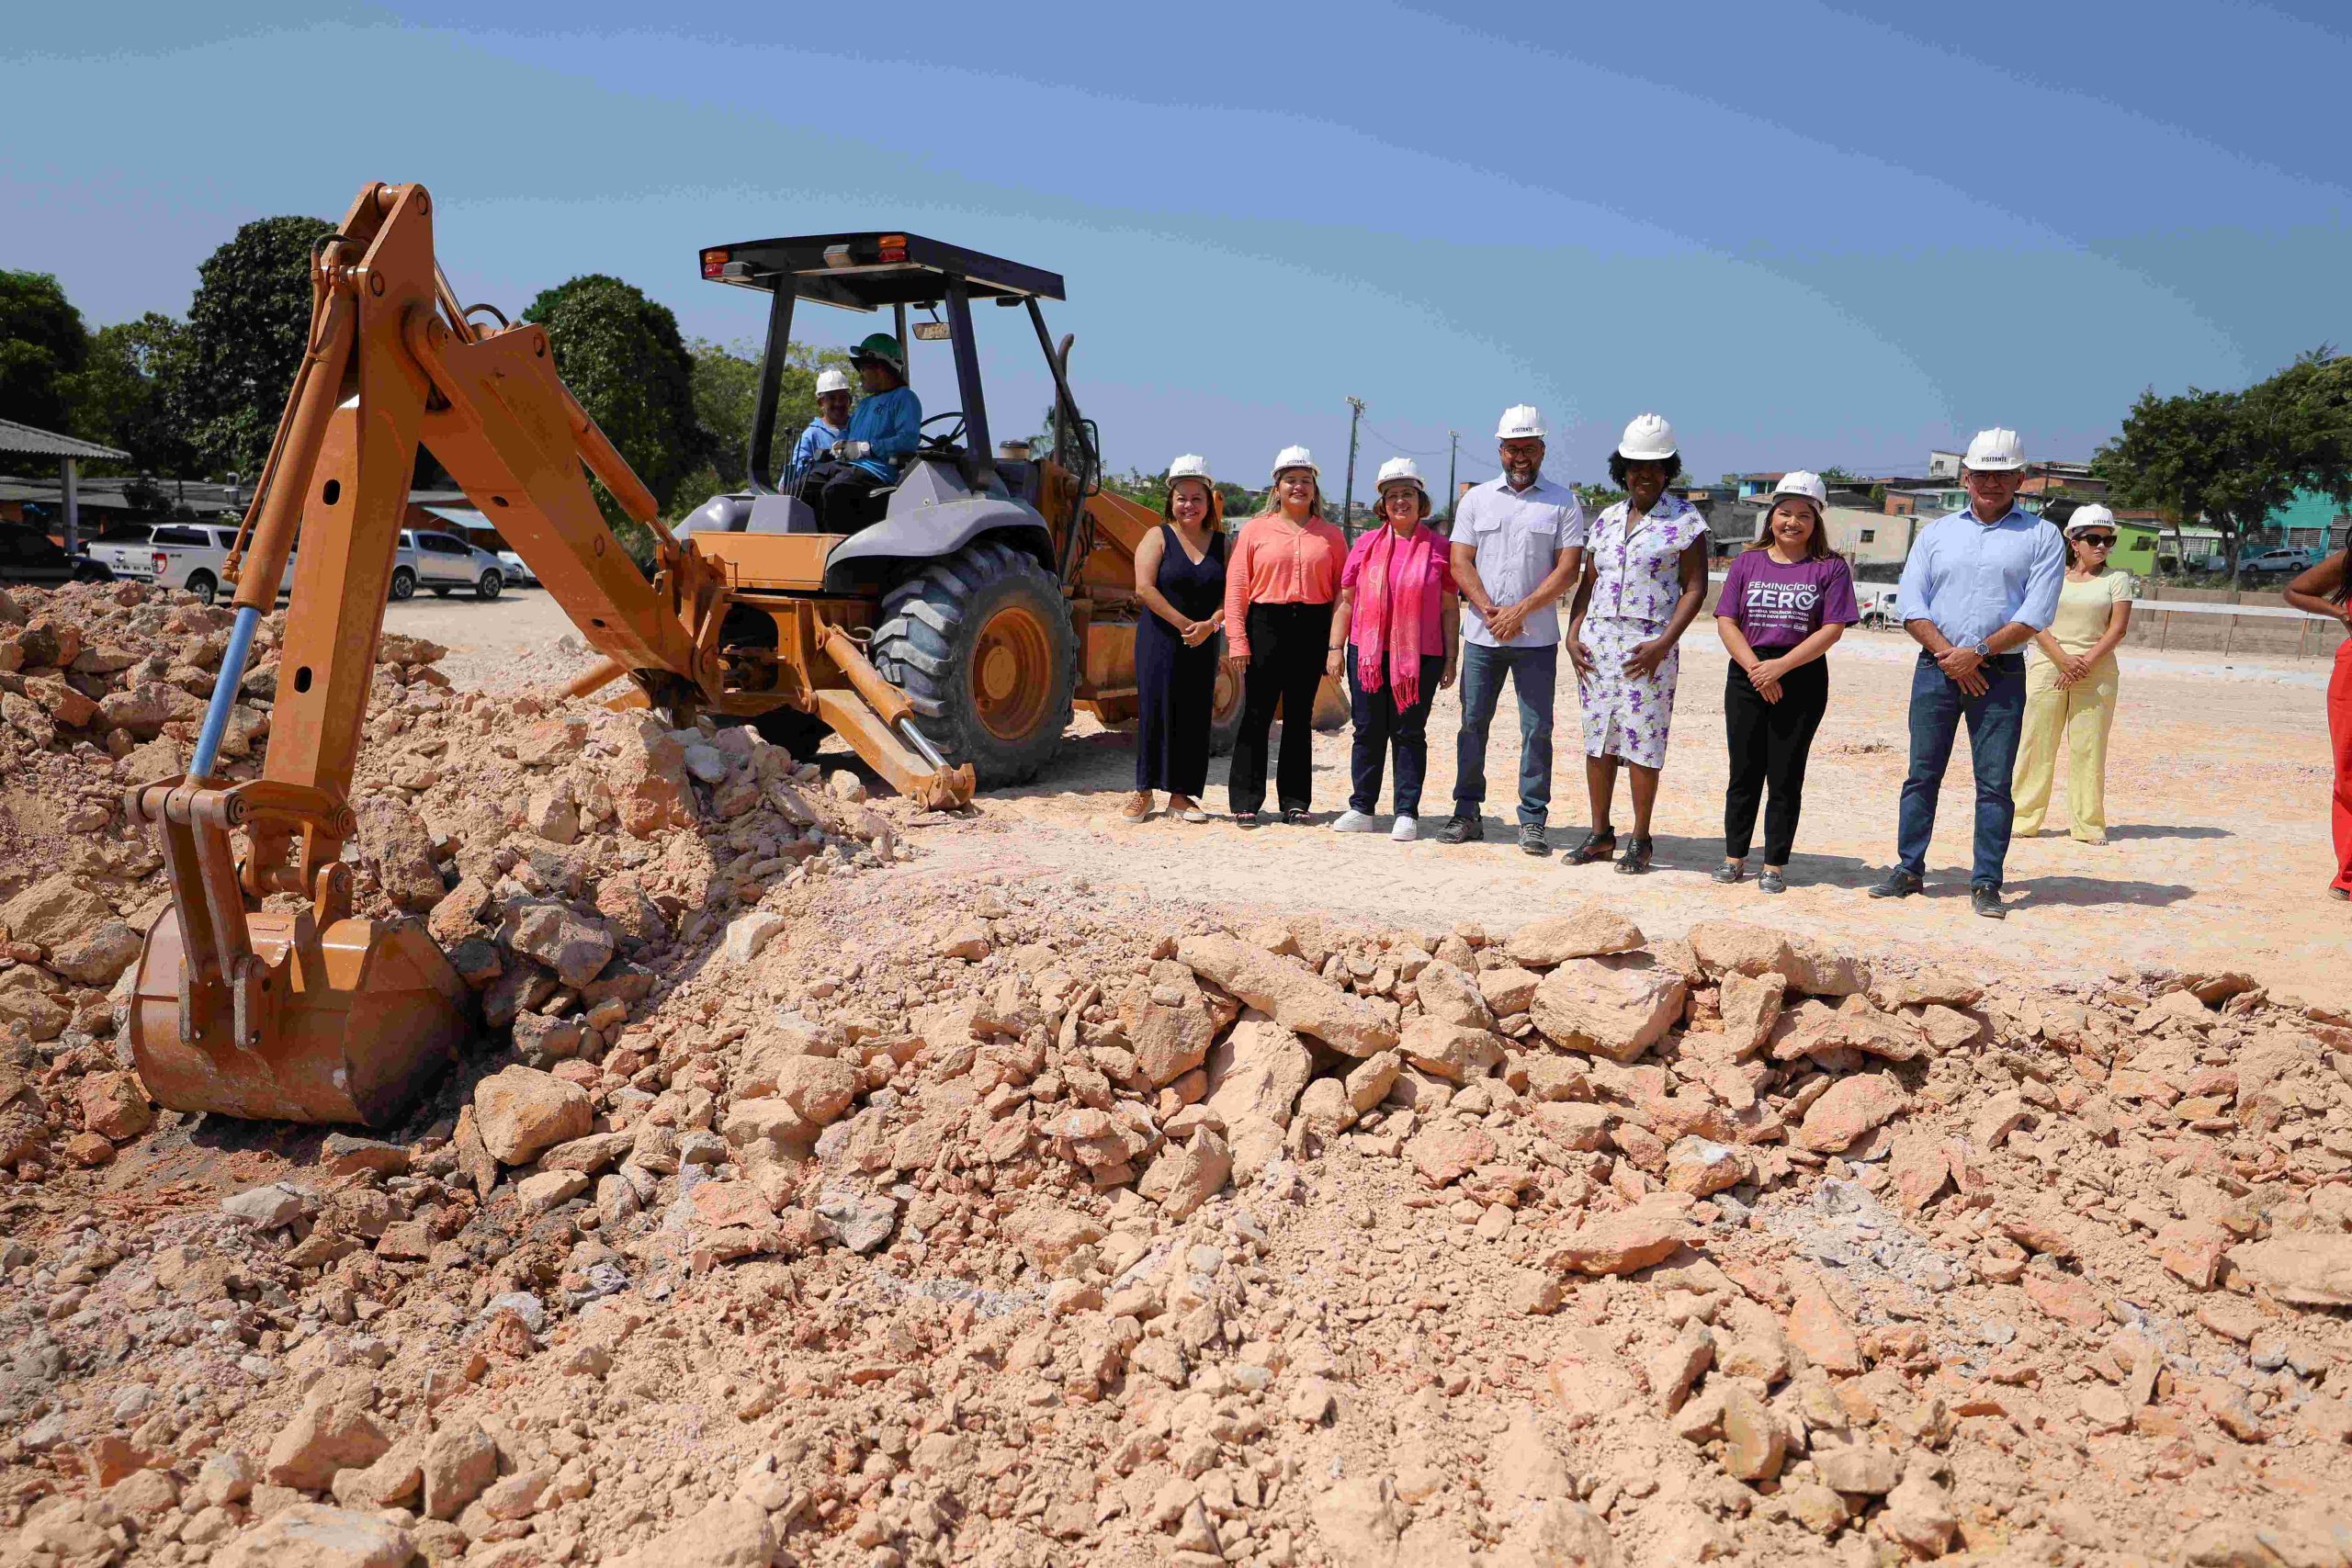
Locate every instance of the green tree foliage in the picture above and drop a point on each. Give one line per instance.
(117, 396)
(41, 342)
(247, 328)
(1597, 496)
(622, 355)
(2232, 458)
(726, 393)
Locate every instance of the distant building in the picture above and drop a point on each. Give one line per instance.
(2313, 520)
(1863, 536)
(1944, 465)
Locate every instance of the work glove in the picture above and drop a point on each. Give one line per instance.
(851, 451)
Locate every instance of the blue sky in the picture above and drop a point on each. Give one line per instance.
(1807, 233)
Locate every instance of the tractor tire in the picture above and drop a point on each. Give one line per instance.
(1225, 713)
(981, 643)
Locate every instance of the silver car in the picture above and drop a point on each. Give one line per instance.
(444, 563)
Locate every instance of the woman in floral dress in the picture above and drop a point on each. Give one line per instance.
(1644, 582)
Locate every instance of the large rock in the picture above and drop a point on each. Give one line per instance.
(55, 911)
(1621, 1243)
(460, 1463)
(2311, 1268)
(819, 1087)
(1451, 1050)
(732, 1532)
(1452, 997)
(1751, 1005)
(1356, 1519)
(114, 1105)
(1616, 1006)
(649, 780)
(1852, 1107)
(395, 844)
(1298, 1001)
(330, 1433)
(1560, 1533)
(1814, 967)
(1187, 1175)
(521, 1112)
(1258, 1069)
(312, 1534)
(1587, 931)
(98, 956)
(1168, 1022)
(576, 947)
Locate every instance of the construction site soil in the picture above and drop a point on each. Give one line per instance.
(820, 1190)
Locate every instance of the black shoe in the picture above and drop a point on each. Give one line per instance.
(1460, 829)
(1899, 883)
(1732, 871)
(1598, 845)
(1772, 881)
(1530, 839)
(1635, 860)
(1987, 902)
(1245, 819)
(1297, 816)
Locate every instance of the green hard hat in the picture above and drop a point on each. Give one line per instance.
(881, 346)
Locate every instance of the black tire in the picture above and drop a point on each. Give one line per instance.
(403, 582)
(981, 643)
(1225, 724)
(205, 586)
(489, 586)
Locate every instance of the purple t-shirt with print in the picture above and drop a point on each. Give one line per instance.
(1779, 606)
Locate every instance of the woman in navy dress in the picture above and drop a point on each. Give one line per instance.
(1179, 575)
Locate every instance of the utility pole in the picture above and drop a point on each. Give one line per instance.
(1348, 501)
(1452, 459)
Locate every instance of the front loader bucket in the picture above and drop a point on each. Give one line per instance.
(352, 1031)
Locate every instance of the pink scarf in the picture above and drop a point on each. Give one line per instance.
(1387, 625)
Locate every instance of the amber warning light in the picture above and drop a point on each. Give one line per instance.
(894, 247)
(714, 263)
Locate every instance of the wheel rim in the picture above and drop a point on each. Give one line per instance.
(1012, 666)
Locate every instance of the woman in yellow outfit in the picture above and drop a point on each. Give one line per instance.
(2070, 690)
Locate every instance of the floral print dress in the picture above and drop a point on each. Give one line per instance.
(1637, 582)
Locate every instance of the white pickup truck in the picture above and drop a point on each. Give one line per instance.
(174, 555)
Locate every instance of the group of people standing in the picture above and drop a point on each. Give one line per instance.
(1405, 612)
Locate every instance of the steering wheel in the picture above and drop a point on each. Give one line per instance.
(944, 442)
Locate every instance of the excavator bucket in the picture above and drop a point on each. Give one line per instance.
(354, 1022)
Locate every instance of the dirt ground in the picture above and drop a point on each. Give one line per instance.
(2217, 801)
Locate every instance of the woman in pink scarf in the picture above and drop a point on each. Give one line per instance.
(1397, 616)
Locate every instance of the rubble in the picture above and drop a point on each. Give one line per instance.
(796, 1204)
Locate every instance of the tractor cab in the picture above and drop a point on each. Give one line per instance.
(957, 486)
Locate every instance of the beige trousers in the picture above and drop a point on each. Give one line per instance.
(2080, 715)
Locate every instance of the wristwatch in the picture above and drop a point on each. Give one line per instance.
(1983, 650)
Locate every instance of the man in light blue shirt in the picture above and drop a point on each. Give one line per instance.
(1518, 544)
(885, 426)
(1978, 585)
(831, 425)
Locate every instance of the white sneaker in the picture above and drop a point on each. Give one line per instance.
(1354, 822)
(1405, 830)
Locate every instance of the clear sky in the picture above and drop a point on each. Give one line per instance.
(1806, 233)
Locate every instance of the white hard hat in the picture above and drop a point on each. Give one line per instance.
(1994, 451)
(1400, 468)
(1296, 458)
(1649, 439)
(1190, 466)
(2091, 516)
(1520, 421)
(831, 381)
(1803, 482)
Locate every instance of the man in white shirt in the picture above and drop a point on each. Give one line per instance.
(1518, 545)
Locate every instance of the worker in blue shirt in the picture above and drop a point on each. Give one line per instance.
(884, 426)
(831, 425)
(1978, 585)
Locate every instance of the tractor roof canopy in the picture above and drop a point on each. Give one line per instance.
(868, 271)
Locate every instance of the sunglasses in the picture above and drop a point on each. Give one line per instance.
(2102, 540)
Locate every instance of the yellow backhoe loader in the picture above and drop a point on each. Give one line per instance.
(947, 644)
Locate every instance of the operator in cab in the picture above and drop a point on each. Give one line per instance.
(830, 426)
(883, 428)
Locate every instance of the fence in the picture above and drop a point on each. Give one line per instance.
(2219, 620)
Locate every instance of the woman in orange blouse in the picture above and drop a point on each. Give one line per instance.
(1278, 592)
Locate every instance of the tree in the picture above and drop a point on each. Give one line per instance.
(1595, 497)
(247, 329)
(1834, 476)
(2231, 459)
(621, 354)
(726, 394)
(117, 397)
(42, 341)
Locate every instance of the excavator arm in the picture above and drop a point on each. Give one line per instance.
(318, 1016)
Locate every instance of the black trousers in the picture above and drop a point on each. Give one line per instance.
(1770, 743)
(1287, 646)
(1380, 726)
(843, 495)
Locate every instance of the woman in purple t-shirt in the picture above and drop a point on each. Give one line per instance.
(1783, 606)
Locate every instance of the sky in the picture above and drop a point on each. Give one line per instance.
(1808, 234)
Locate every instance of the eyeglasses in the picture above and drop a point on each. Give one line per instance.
(2103, 541)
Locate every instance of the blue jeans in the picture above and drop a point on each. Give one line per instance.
(1994, 720)
(1534, 672)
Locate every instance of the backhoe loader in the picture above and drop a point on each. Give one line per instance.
(947, 644)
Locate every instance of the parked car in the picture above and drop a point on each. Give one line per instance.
(517, 570)
(2279, 560)
(1877, 605)
(445, 563)
(29, 557)
(173, 554)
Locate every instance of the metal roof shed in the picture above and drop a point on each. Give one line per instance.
(70, 451)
